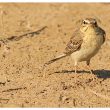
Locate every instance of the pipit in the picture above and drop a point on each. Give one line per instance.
(84, 44)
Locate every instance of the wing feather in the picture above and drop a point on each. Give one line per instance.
(75, 42)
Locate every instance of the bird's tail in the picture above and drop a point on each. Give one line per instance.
(57, 58)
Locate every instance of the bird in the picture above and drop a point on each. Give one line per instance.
(84, 44)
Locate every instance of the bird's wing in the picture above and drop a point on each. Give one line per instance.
(75, 42)
(104, 35)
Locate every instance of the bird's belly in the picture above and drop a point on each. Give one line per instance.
(84, 54)
(88, 50)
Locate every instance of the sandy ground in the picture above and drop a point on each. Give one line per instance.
(21, 81)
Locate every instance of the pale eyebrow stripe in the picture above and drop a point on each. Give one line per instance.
(86, 21)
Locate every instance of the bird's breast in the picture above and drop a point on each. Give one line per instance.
(92, 41)
(90, 46)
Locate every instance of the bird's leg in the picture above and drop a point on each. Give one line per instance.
(75, 71)
(88, 66)
(75, 67)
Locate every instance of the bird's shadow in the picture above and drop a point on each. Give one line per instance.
(99, 73)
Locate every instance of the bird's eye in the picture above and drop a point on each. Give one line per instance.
(95, 23)
(84, 22)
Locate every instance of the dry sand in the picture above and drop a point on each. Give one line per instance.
(21, 81)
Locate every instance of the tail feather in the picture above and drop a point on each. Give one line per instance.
(55, 59)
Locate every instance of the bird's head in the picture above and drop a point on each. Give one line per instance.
(88, 24)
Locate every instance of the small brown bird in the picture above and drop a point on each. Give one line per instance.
(84, 44)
